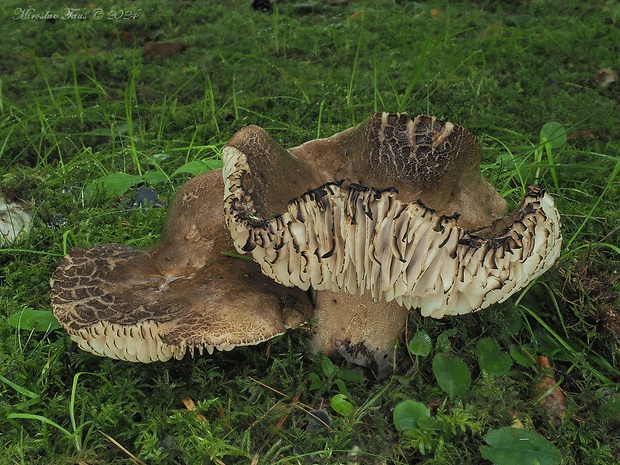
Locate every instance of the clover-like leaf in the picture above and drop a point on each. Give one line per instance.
(554, 134)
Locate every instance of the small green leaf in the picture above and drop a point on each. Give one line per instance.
(342, 388)
(341, 405)
(421, 343)
(350, 375)
(452, 374)
(30, 319)
(155, 177)
(197, 167)
(429, 423)
(156, 159)
(111, 185)
(491, 358)
(213, 163)
(554, 134)
(315, 382)
(520, 355)
(410, 415)
(515, 446)
(443, 340)
(328, 367)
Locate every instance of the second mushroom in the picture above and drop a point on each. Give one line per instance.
(393, 210)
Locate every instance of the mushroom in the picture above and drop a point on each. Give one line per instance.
(15, 220)
(181, 295)
(393, 209)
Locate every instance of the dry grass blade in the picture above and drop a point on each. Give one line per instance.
(305, 408)
(132, 457)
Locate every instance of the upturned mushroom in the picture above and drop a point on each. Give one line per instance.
(394, 209)
(182, 295)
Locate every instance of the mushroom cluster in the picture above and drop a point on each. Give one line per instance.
(390, 215)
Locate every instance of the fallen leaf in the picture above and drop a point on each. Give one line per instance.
(189, 403)
(434, 403)
(126, 37)
(581, 134)
(191, 406)
(162, 49)
(548, 393)
(495, 26)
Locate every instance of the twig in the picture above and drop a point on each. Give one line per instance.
(132, 457)
(299, 405)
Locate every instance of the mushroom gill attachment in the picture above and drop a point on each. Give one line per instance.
(182, 295)
(395, 207)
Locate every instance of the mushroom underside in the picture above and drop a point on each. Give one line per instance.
(182, 295)
(395, 207)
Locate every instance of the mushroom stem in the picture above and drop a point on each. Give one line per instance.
(358, 330)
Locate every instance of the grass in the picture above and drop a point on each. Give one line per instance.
(79, 102)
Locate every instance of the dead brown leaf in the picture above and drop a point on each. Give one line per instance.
(126, 38)
(162, 49)
(548, 393)
(191, 406)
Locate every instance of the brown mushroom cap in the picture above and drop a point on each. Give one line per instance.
(396, 206)
(182, 295)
